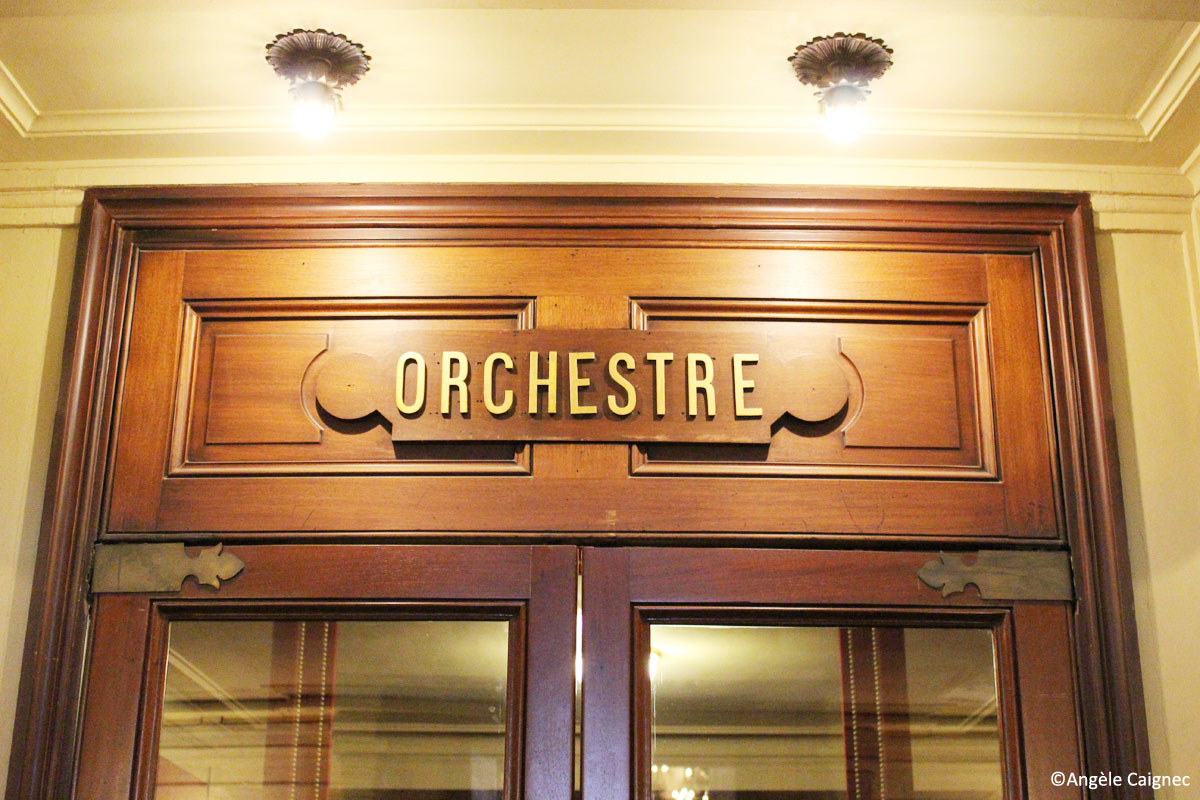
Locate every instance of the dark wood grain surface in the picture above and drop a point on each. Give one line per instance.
(534, 588)
(943, 431)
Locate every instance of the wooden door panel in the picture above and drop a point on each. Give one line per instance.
(532, 588)
(266, 372)
(627, 590)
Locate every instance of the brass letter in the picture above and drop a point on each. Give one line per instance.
(660, 361)
(549, 383)
(695, 384)
(458, 381)
(742, 385)
(625, 360)
(489, 389)
(419, 391)
(578, 384)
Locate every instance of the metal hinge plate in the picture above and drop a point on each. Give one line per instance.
(1003, 575)
(159, 567)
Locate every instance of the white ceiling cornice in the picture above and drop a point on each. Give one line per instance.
(15, 104)
(1176, 81)
(588, 118)
(1191, 169)
(1163, 99)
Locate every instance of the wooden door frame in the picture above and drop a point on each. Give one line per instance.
(116, 222)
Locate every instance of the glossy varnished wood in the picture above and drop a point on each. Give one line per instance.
(550, 703)
(924, 324)
(947, 232)
(627, 590)
(448, 271)
(429, 572)
(227, 425)
(926, 365)
(112, 709)
(534, 588)
(1047, 688)
(608, 657)
(147, 408)
(929, 443)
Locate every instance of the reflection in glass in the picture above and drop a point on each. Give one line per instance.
(819, 713)
(321, 710)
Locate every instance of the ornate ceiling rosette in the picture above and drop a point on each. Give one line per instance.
(841, 58)
(318, 56)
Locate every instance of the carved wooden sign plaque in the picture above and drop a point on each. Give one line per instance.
(591, 385)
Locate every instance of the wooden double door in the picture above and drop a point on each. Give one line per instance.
(396, 672)
(359, 491)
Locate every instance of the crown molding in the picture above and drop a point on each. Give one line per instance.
(816, 170)
(15, 104)
(1191, 169)
(1166, 95)
(1143, 199)
(590, 118)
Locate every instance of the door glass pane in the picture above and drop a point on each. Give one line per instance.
(822, 713)
(324, 710)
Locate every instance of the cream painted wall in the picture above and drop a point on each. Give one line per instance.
(1148, 277)
(36, 266)
(1146, 288)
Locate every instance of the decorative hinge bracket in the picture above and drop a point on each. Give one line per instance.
(159, 567)
(1002, 575)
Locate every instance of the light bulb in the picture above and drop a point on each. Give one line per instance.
(841, 111)
(316, 107)
(843, 124)
(313, 120)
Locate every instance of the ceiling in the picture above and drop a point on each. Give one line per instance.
(1109, 82)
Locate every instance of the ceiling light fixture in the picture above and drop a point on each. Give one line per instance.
(841, 66)
(318, 64)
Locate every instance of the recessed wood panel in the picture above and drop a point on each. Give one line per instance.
(912, 402)
(253, 395)
(250, 406)
(918, 379)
